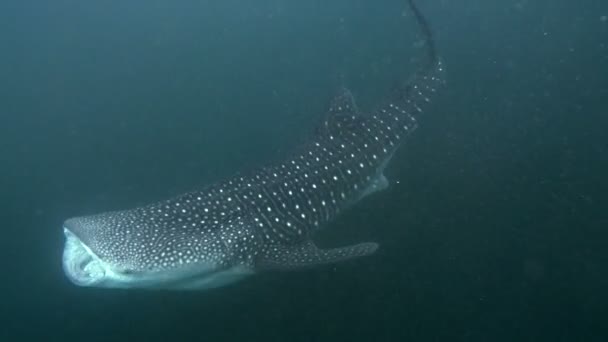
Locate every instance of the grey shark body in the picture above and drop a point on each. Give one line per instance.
(262, 221)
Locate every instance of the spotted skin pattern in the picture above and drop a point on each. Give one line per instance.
(266, 219)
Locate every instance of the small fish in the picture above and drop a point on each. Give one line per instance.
(265, 220)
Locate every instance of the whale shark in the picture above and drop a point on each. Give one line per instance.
(265, 219)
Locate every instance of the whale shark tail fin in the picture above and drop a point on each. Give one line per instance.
(409, 97)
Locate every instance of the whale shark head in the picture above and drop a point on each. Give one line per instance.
(119, 250)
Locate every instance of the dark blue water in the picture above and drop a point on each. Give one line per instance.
(494, 228)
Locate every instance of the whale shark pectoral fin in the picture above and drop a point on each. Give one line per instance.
(307, 255)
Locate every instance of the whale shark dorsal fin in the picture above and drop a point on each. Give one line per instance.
(343, 103)
(341, 114)
(308, 254)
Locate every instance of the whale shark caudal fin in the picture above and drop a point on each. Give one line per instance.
(307, 254)
(408, 98)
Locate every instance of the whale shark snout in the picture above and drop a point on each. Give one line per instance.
(80, 264)
(85, 266)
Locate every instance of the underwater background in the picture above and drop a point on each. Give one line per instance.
(494, 228)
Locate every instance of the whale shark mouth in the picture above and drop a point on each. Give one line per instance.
(80, 264)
